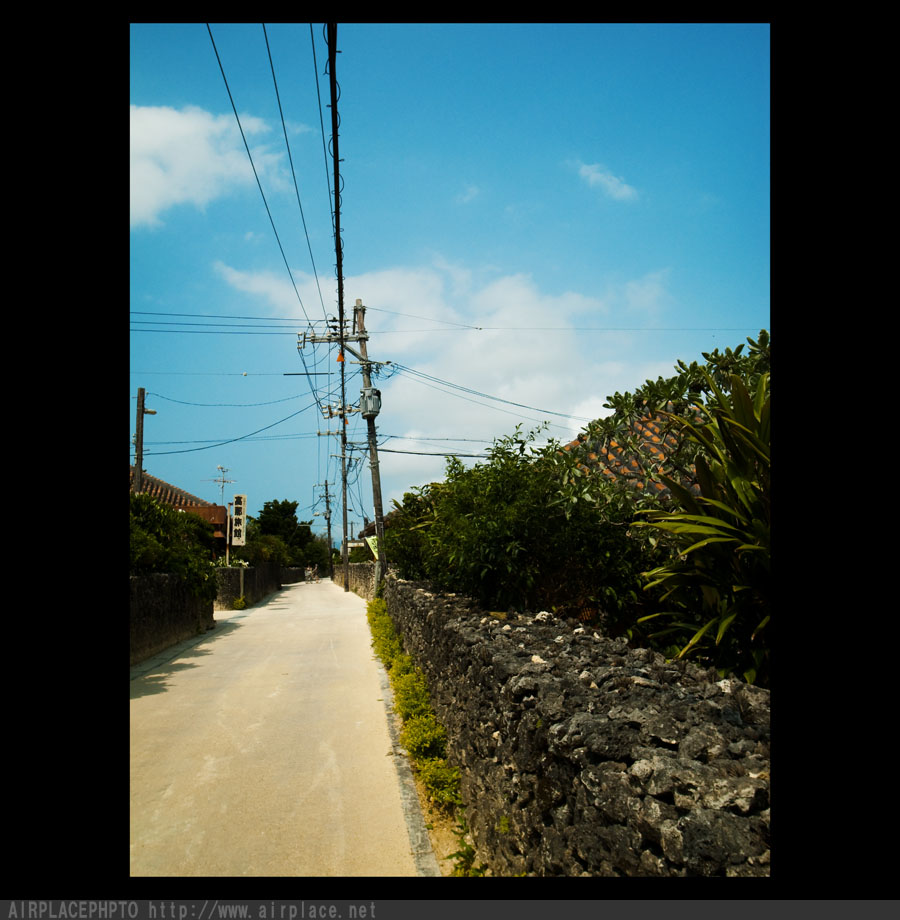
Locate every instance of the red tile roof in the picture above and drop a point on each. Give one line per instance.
(606, 455)
(168, 494)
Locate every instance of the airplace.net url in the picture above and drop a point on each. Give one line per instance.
(189, 910)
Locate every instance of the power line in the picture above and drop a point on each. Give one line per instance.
(460, 327)
(209, 332)
(256, 175)
(268, 211)
(223, 405)
(243, 437)
(408, 370)
(293, 171)
(420, 453)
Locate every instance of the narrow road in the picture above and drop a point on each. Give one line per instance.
(265, 748)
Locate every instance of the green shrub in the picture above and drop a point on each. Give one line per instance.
(239, 603)
(507, 533)
(464, 857)
(386, 641)
(441, 781)
(424, 737)
(410, 695)
(401, 664)
(719, 581)
(163, 539)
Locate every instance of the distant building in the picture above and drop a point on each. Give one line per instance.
(171, 495)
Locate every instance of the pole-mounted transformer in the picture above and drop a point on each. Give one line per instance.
(370, 402)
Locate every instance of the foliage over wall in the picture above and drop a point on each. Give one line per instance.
(276, 536)
(535, 528)
(499, 533)
(169, 541)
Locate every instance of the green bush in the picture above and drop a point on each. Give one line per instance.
(401, 665)
(464, 857)
(424, 737)
(239, 603)
(503, 533)
(386, 642)
(719, 581)
(410, 694)
(441, 781)
(166, 540)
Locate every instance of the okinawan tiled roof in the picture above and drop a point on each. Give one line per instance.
(168, 494)
(611, 459)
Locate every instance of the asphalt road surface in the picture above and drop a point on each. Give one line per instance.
(267, 748)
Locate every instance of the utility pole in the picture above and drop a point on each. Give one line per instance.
(370, 404)
(339, 247)
(328, 522)
(139, 441)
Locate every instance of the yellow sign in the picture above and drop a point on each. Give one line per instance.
(373, 545)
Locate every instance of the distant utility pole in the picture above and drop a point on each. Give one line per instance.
(328, 522)
(139, 441)
(370, 406)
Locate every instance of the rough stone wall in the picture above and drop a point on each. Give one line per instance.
(361, 578)
(258, 581)
(580, 756)
(164, 612)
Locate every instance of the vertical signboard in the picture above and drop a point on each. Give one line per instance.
(239, 521)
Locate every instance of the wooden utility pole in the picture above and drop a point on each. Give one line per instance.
(359, 323)
(339, 253)
(139, 441)
(328, 523)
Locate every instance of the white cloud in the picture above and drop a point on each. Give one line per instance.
(470, 193)
(598, 176)
(275, 289)
(189, 156)
(647, 295)
(536, 358)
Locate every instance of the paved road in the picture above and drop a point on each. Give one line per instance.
(267, 748)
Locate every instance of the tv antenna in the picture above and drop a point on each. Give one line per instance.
(221, 480)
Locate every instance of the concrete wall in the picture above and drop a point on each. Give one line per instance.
(580, 756)
(164, 612)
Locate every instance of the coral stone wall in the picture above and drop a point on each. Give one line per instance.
(252, 582)
(163, 612)
(580, 756)
(360, 578)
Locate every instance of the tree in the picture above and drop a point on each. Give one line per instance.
(557, 527)
(720, 578)
(713, 525)
(499, 532)
(275, 535)
(163, 539)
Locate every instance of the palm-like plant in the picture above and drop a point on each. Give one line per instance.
(720, 577)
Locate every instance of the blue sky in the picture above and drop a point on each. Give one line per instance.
(594, 198)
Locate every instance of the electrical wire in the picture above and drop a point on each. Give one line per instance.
(420, 453)
(223, 405)
(419, 374)
(293, 171)
(242, 437)
(255, 173)
(459, 327)
(268, 211)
